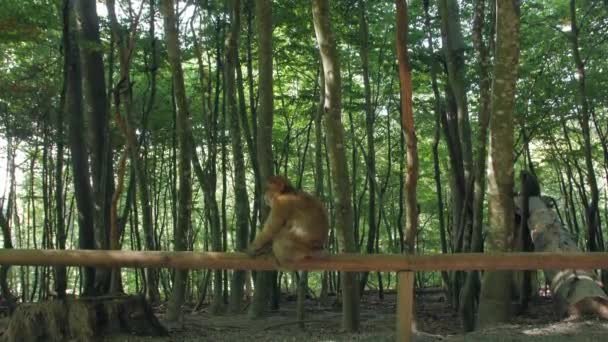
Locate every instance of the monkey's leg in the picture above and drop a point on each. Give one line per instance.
(286, 250)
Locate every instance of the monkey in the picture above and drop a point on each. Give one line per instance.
(296, 227)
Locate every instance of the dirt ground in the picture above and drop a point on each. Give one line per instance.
(436, 322)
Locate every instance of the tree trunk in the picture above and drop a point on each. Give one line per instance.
(594, 242)
(97, 111)
(61, 278)
(5, 221)
(454, 51)
(495, 301)
(439, 109)
(184, 135)
(263, 20)
(369, 130)
(240, 182)
(337, 156)
(80, 164)
(472, 284)
(458, 136)
(123, 89)
(407, 118)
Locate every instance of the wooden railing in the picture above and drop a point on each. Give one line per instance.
(405, 265)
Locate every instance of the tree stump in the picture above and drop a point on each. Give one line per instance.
(83, 319)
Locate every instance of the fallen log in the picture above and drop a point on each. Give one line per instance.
(577, 291)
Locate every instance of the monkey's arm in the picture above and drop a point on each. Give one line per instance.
(273, 225)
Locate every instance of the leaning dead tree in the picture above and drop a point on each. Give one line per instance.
(577, 291)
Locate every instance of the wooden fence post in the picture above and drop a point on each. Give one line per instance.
(405, 306)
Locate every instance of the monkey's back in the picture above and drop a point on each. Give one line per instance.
(308, 218)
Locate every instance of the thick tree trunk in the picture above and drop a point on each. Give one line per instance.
(184, 135)
(337, 156)
(263, 23)
(80, 164)
(495, 301)
(97, 111)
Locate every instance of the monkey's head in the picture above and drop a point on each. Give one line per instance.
(275, 186)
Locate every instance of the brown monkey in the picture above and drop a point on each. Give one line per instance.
(296, 227)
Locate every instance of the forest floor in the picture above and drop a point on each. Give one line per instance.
(436, 321)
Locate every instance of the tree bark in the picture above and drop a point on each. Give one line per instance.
(263, 23)
(495, 301)
(80, 164)
(369, 130)
(184, 134)
(96, 108)
(407, 118)
(240, 181)
(454, 51)
(123, 89)
(5, 220)
(472, 283)
(439, 112)
(61, 279)
(594, 241)
(337, 156)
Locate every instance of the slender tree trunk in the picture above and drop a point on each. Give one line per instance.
(240, 182)
(454, 51)
(593, 213)
(123, 89)
(184, 135)
(319, 174)
(5, 221)
(263, 20)
(60, 271)
(458, 136)
(472, 284)
(407, 118)
(495, 300)
(96, 110)
(337, 156)
(595, 241)
(369, 130)
(439, 109)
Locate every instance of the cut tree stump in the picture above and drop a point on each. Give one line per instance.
(577, 292)
(83, 319)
